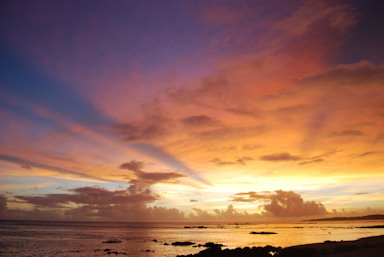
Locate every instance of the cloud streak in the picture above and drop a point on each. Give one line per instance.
(278, 157)
(163, 157)
(30, 164)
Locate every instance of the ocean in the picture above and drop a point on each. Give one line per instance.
(48, 238)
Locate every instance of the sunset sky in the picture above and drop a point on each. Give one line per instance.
(191, 110)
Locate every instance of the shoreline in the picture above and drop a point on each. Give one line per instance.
(366, 246)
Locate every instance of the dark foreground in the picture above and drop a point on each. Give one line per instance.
(367, 247)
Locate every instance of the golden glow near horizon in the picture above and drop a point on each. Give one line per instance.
(243, 117)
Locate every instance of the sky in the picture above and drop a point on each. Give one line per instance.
(191, 110)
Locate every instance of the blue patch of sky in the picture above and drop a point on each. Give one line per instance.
(48, 185)
(21, 80)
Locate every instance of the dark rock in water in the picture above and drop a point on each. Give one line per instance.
(183, 243)
(262, 233)
(209, 244)
(200, 227)
(166, 244)
(116, 253)
(154, 240)
(112, 241)
(109, 251)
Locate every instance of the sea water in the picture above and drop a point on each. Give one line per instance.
(47, 238)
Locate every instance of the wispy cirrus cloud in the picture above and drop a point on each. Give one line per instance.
(238, 161)
(278, 157)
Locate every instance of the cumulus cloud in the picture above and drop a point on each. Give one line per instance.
(230, 214)
(276, 157)
(290, 204)
(282, 203)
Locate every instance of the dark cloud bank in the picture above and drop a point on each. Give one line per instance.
(131, 204)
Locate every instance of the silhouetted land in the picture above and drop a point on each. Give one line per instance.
(368, 217)
(370, 246)
(183, 243)
(378, 226)
(262, 233)
(112, 241)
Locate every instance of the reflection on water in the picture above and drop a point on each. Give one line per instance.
(26, 238)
